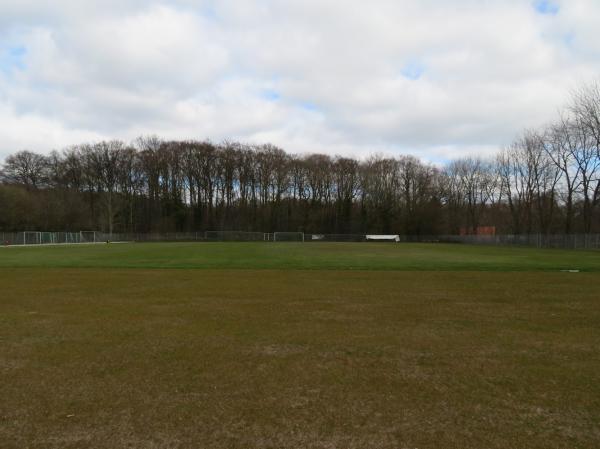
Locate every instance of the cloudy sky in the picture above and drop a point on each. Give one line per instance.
(434, 78)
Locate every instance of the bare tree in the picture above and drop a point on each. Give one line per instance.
(471, 183)
(585, 108)
(104, 164)
(561, 147)
(26, 168)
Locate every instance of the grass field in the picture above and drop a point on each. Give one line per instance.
(308, 256)
(298, 346)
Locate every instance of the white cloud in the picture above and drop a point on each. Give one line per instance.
(38, 132)
(435, 78)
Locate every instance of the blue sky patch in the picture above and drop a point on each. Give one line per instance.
(12, 57)
(569, 38)
(17, 52)
(413, 71)
(209, 12)
(307, 106)
(271, 95)
(547, 7)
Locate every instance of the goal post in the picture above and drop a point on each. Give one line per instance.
(32, 238)
(288, 237)
(87, 237)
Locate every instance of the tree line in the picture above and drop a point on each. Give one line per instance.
(546, 181)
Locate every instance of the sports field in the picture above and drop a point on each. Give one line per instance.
(290, 345)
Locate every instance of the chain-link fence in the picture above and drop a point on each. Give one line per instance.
(236, 236)
(562, 241)
(559, 241)
(41, 238)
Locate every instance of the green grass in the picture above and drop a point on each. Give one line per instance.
(298, 346)
(313, 256)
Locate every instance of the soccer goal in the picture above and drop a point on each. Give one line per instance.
(55, 238)
(288, 237)
(32, 238)
(48, 238)
(39, 238)
(88, 237)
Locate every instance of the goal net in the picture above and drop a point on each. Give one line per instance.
(32, 238)
(383, 238)
(50, 238)
(88, 237)
(288, 237)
